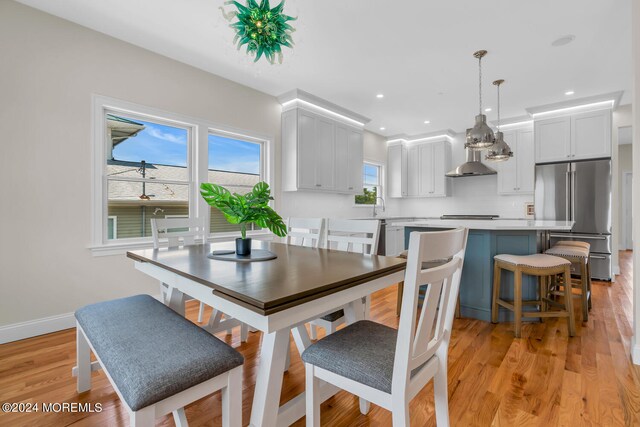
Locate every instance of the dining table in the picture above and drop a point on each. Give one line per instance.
(277, 297)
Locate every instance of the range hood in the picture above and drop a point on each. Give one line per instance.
(472, 167)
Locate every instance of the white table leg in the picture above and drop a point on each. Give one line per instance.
(266, 398)
(175, 300)
(301, 338)
(354, 311)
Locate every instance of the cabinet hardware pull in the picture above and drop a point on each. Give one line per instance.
(350, 188)
(597, 256)
(318, 185)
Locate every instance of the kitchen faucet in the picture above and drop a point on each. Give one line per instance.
(374, 206)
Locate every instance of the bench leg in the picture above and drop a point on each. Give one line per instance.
(200, 312)
(313, 331)
(232, 399)
(244, 332)
(83, 362)
(145, 417)
(180, 418)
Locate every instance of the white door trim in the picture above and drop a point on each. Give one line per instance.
(626, 240)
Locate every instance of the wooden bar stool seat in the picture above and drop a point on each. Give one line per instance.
(578, 254)
(538, 265)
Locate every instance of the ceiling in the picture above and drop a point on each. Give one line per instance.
(417, 53)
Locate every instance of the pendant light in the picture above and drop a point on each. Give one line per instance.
(500, 151)
(480, 137)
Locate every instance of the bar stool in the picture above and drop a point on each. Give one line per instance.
(578, 254)
(538, 265)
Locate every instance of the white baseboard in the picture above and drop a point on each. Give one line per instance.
(33, 328)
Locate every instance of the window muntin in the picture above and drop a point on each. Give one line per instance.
(372, 184)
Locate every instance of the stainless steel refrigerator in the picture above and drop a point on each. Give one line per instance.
(579, 191)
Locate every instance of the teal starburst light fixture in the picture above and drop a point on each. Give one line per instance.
(264, 30)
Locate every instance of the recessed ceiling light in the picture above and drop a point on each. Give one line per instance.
(564, 40)
(380, 95)
(487, 109)
(382, 128)
(569, 92)
(426, 122)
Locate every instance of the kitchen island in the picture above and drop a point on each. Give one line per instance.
(488, 238)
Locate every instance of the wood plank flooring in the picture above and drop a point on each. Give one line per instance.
(541, 379)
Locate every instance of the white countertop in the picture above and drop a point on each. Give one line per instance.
(493, 224)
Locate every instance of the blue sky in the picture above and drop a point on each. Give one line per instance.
(167, 145)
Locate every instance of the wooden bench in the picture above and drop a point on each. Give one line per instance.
(156, 360)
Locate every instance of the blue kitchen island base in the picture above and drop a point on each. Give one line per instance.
(477, 274)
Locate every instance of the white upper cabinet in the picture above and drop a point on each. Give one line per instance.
(397, 171)
(516, 175)
(418, 170)
(576, 137)
(591, 135)
(553, 139)
(320, 153)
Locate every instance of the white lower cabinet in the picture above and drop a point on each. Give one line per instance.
(394, 243)
(516, 175)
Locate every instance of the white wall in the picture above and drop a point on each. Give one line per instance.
(469, 195)
(635, 17)
(49, 69)
(622, 117)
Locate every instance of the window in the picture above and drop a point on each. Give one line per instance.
(149, 164)
(237, 165)
(372, 183)
(147, 173)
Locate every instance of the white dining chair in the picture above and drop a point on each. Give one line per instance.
(349, 235)
(176, 232)
(390, 367)
(304, 232)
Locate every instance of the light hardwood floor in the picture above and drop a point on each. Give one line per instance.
(541, 379)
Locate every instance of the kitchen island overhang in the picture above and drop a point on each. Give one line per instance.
(488, 238)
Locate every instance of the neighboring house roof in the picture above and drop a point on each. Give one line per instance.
(129, 191)
(121, 129)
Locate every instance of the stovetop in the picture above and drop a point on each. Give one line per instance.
(470, 217)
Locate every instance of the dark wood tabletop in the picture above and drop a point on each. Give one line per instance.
(297, 275)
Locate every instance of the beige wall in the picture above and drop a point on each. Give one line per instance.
(49, 70)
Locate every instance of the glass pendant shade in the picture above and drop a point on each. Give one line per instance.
(500, 151)
(480, 137)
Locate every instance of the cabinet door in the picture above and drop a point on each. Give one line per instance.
(425, 170)
(524, 160)
(325, 154)
(306, 151)
(413, 171)
(399, 240)
(591, 135)
(508, 170)
(396, 171)
(342, 158)
(355, 161)
(553, 139)
(439, 168)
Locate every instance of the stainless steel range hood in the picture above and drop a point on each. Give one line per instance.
(472, 167)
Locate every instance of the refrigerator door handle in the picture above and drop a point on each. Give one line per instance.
(573, 193)
(568, 190)
(579, 236)
(597, 256)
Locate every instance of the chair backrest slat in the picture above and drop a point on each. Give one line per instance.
(175, 231)
(304, 232)
(424, 332)
(352, 235)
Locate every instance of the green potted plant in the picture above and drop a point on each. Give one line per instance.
(244, 209)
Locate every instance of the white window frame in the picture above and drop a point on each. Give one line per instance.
(197, 166)
(380, 167)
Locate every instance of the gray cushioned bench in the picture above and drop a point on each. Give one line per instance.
(153, 355)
